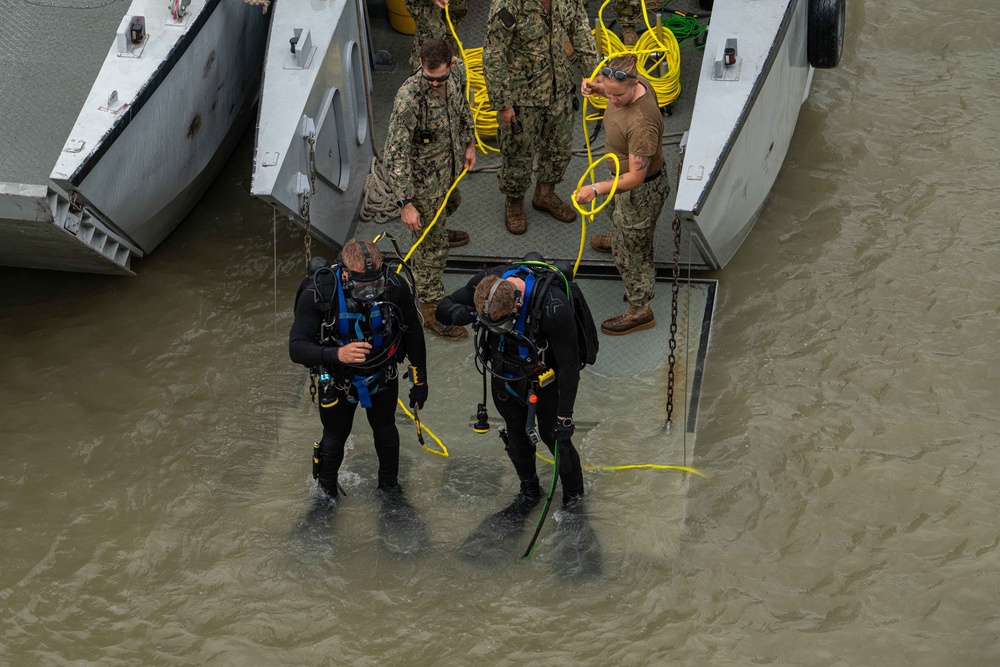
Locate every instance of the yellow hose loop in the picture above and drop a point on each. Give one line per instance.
(590, 170)
(434, 220)
(594, 209)
(633, 466)
(444, 450)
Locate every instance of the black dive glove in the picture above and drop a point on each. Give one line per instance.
(564, 430)
(461, 314)
(418, 395)
(418, 391)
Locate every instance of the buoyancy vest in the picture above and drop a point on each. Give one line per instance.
(376, 327)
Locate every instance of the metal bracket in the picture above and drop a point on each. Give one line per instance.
(74, 145)
(114, 105)
(308, 128)
(270, 159)
(131, 38)
(727, 62)
(301, 184)
(301, 50)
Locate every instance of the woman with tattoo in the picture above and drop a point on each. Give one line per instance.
(634, 133)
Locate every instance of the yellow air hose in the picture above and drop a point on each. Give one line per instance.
(594, 207)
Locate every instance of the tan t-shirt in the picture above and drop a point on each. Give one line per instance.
(636, 128)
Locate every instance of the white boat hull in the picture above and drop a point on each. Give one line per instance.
(314, 140)
(741, 129)
(182, 105)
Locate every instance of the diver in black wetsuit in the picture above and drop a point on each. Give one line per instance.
(530, 341)
(354, 322)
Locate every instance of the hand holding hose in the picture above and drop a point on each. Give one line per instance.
(418, 395)
(586, 194)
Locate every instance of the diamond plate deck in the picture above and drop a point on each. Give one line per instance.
(50, 54)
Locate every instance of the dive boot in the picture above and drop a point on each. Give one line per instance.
(494, 540)
(546, 200)
(633, 319)
(431, 324)
(525, 501)
(601, 242)
(513, 213)
(457, 238)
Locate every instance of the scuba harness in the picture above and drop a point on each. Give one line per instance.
(355, 301)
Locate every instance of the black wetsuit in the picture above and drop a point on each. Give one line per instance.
(558, 332)
(337, 405)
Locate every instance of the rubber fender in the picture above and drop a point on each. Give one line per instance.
(825, 40)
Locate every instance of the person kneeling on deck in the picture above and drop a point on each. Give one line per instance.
(430, 140)
(528, 339)
(354, 322)
(634, 128)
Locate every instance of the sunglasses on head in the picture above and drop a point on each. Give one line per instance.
(616, 73)
(439, 79)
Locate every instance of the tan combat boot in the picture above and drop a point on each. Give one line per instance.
(457, 238)
(514, 215)
(431, 324)
(633, 319)
(601, 242)
(547, 201)
(629, 35)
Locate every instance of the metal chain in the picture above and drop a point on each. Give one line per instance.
(312, 386)
(672, 359)
(306, 220)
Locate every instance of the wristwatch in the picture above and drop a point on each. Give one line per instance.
(402, 202)
(566, 422)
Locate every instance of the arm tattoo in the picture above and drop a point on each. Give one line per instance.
(641, 162)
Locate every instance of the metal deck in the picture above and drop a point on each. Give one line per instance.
(481, 211)
(50, 54)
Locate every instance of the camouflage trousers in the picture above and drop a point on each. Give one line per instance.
(633, 225)
(428, 261)
(430, 22)
(629, 12)
(547, 133)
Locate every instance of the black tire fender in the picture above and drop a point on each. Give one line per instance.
(825, 35)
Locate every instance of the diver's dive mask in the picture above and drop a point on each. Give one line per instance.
(368, 285)
(505, 324)
(364, 288)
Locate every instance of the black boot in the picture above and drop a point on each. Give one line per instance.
(525, 501)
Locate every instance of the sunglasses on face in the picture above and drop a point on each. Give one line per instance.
(438, 79)
(616, 73)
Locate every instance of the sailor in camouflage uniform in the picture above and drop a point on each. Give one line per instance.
(629, 16)
(428, 17)
(531, 83)
(634, 134)
(430, 140)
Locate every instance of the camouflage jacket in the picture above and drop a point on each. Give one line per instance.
(428, 135)
(524, 60)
